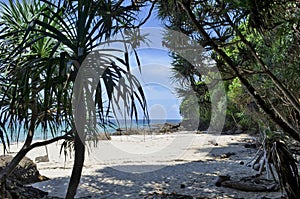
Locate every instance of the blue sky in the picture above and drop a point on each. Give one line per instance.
(156, 75)
(155, 79)
(153, 20)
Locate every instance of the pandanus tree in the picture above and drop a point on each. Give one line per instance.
(192, 88)
(44, 46)
(258, 43)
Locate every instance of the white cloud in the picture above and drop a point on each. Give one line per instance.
(155, 78)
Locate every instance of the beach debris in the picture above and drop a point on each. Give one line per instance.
(227, 155)
(43, 158)
(252, 183)
(213, 142)
(250, 145)
(248, 186)
(220, 179)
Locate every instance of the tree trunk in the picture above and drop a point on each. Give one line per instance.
(77, 167)
(274, 79)
(200, 123)
(24, 150)
(79, 145)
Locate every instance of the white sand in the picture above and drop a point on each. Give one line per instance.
(132, 166)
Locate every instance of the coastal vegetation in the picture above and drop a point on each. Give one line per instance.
(255, 46)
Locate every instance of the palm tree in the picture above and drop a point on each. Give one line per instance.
(28, 97)
(46, 44)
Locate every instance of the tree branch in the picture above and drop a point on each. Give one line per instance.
(275, 80)
(259, 100)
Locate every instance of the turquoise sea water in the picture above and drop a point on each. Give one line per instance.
(40, 135)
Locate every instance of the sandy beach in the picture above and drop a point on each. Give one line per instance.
(137, 165)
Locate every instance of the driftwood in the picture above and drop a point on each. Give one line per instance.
(247, 184)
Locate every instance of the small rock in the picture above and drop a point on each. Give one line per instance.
(220, 179)
(182, 186)
(44, 158)
(26, 171)
(242, 163)
(256, 166)
(213, 142)
(250, 145)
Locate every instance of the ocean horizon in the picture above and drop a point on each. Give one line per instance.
(140, 124)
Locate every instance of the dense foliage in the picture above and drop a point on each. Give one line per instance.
(261, 52)
(255, 45)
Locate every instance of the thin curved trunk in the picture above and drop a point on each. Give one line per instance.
(198, 95)
(79, 150)
(26, 146)
(77, 167)
(200, 122)
(275, 80)
(21, 154)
